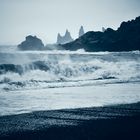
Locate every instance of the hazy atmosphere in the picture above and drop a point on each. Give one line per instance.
(69, 69)
(45, 18)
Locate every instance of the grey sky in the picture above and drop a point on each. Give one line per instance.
(45, 18)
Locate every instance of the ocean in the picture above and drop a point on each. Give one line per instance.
(49, 80)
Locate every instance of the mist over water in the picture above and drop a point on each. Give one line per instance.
(21, 72)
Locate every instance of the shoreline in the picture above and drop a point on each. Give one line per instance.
(109, 122)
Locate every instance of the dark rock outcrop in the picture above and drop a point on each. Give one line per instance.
(31, 43)
(64, 39)
(125, 38)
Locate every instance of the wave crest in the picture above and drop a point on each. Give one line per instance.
(43, 70)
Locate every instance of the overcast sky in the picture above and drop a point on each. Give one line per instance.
(45, 18)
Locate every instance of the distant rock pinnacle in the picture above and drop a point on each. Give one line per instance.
(64, 39)
(81, 31)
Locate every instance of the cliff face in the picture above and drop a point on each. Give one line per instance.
(64, 39)
(31, 43)
(126, 38)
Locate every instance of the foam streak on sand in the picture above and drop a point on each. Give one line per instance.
(17, 102)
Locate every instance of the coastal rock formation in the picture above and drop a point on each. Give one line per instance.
(64, 39)
(125, 38)
(103, 29)
(31, 43)
(81, 31)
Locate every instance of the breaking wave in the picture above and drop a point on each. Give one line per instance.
(20, 70)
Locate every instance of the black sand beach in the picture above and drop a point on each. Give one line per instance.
(121, 122)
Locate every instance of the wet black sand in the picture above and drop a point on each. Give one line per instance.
(120, 122)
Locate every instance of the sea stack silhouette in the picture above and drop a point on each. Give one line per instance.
(81, 31)
(64, 39)
(31, 43)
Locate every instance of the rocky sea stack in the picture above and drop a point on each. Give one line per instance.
(64, 39)
(31, 43)
(81, 31)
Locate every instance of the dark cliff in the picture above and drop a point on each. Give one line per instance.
(125, 38)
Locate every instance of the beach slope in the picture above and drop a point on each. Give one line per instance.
(119, 122)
